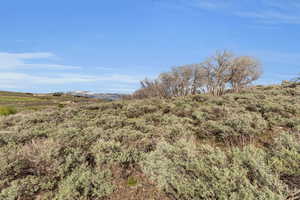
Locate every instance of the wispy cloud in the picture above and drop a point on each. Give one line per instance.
(263, 11)
(27, 55)
(21, 61)
(23, 80)
(207, 4)
(287, 58)
(282, 4)
(14, 74)
(66, 78)
(186, 4)
(15, 78)
(270, 16)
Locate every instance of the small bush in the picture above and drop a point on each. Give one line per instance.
(57, 94)
(186, 173)
(285, 154)
(83, 183)
(243, 125)
(25, 188)
(60, 105)
(132, 181)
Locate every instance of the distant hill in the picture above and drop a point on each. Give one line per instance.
(29, 101)
(104, 96)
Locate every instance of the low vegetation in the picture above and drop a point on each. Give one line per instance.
(242, 145)
(5, 110)
(13, 102)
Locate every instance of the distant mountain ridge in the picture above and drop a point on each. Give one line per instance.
(88, 94)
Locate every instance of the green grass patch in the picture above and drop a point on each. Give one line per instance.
(131, 181)
(7, 110)
(17, 99)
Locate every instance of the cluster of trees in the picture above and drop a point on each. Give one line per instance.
(216, 75)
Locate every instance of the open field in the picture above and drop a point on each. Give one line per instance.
(27, 101)
(237, 146)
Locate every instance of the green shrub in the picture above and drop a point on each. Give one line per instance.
(111, 152)
(5, 110)
(60, 105)
(72, 159)
(105, 151)
(246, 123)
(29, 169)
(184, 172)
(233, 126)
(285, 154)
(25, 188)
(132, 181)
(84, 183)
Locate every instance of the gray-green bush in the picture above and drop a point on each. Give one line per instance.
(186, 172)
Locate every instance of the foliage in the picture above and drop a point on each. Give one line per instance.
(285, 154)
(237, 146)
(85, 184)
(186, 172)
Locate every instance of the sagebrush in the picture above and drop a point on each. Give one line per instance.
(238, 146)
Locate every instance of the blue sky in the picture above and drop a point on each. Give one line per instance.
(108, 46)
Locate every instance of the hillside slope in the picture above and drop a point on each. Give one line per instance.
(238, 146)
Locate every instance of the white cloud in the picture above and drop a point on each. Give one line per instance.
(27, 55)
(10, 80)
(14, 74)
(19, 61)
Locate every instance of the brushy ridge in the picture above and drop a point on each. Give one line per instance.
(238, 146)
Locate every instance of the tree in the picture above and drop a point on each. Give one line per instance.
(198, 79)
(298, 78)
(180, 81)
(215, 75)
(243, 71)
(149, 89)
(224, 70)
(217, 72)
